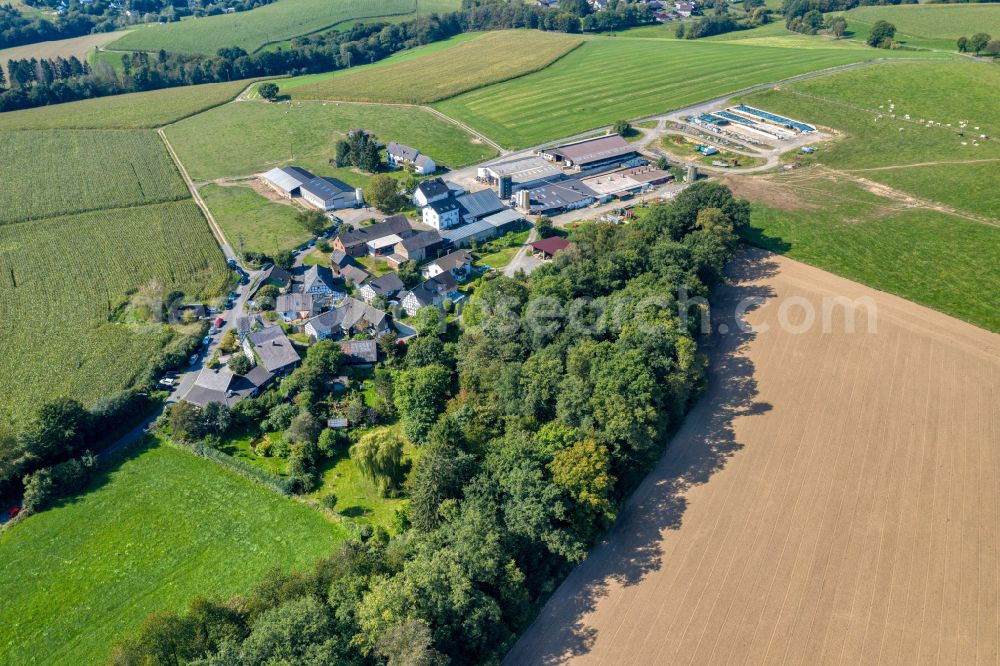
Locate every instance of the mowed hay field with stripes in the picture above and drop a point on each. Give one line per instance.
(47, 173)
(470, 64)
(832, 499)
(609, 79)
(250, 30)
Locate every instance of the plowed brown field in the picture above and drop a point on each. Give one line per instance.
(833, 499)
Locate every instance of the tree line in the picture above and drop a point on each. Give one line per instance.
(341, 49)
(73, 18)
(535, 424)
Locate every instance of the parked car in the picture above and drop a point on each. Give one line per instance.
(229, 305)
(13, 512)
(244, 280)
(207, 340)
(232, 263)
(194, 359)
(219, 321)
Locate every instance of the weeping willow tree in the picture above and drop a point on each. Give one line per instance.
(379, 457)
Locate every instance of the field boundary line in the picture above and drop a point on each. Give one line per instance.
(412, 12)
(220, 238)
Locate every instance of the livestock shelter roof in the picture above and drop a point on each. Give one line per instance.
(480, 204)
(327, 188)
(288, 178)
(592, 150)
(550, 245)
(562, 194)
(503, 218)
(458, 234)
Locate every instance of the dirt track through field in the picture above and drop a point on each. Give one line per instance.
(833, 499)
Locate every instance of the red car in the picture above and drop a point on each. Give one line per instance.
(13, 512)
(219, 321)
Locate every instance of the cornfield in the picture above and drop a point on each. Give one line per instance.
(60, 172)
(61, 280)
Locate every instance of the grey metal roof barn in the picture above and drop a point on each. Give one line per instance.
(288, 179)
(480, 204)
(588, 151)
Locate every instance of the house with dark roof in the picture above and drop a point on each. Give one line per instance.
(222, 385)
(415, 248)
(457, 263)
(271, 348)
(348, 318)
(320, 282)
(432, 189)
(287, 180)
(401, 157)
(386, 286)
(295, 306)
(273, 276)
(355, 274)
(331, 194)
(429, 292)
(442, 214)
(355, 242)
(359, 352)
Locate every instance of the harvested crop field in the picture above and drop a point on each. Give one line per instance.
(832, 499)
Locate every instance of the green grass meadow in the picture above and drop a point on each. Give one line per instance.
(58, 172)
(157, 530)
(942, 261)
(62, 280)
(265, 226)
(607, 79)
(134, 110)
(253, 29)
(943, 162)
(250, 137)
(434, 75)
(927, 26)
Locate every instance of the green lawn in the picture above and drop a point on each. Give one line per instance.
(500, 251)
(927, 26)
(62, 279)
(607, 79)
(144, 109)
(250, 137)
(941, 261)
(356, 497)
(433, 75)
(159, 529)
(253, 29)
(57, 172)
(265, 226)
(874, 145)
